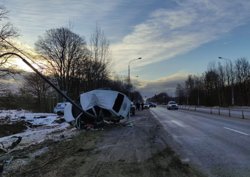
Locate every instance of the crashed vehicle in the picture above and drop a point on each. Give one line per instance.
(100, 106)
(94, 107)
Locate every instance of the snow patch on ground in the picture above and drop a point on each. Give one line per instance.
(45, 128)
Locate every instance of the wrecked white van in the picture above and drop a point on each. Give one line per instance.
(99, 105)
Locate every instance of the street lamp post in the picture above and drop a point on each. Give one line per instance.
(232, 84)
(129, 72)
(129, 67)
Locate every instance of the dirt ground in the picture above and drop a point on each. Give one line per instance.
(7, 129)
(138, 148)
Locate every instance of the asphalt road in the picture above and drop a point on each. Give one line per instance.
(218, 146)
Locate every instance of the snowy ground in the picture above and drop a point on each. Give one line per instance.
(40, 127)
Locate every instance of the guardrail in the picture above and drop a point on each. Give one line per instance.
(238, 112)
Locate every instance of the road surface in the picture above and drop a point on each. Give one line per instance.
(219, 146)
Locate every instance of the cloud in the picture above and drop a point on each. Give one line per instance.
(165, 84)
(33, 18)
(171, 32)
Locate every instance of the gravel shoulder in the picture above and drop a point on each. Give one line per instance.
(135, 148)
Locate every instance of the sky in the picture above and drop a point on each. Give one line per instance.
(174, 38)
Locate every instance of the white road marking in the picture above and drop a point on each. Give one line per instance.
(178, 123)
(237, 131)
(154, 114)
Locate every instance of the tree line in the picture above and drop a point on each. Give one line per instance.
(224, 84)
(161, 98)
(71, 63)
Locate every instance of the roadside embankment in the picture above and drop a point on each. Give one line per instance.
(134, 148)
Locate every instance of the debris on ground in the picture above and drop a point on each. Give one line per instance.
(16, 142)
(21, 130)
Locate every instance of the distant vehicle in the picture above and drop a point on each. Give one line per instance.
(172, 105)
(59, 108)
(146, 106)
(152, 105)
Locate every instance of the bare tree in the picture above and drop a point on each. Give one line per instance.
(221, 84)
(35, 85)
(7, 31)
(212, 87)
(65, 52)
(242, 74)
(180, 94)
(242, 70)
(222, 75)
(100, 58)
(189, 84)
(229, 72)
(99, 46)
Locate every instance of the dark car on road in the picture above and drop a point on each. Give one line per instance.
(152, 105)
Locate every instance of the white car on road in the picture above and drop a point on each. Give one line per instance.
(172, 105)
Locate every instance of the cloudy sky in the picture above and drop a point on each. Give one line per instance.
(174, 37)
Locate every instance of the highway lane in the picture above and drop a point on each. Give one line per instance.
(218, 146)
